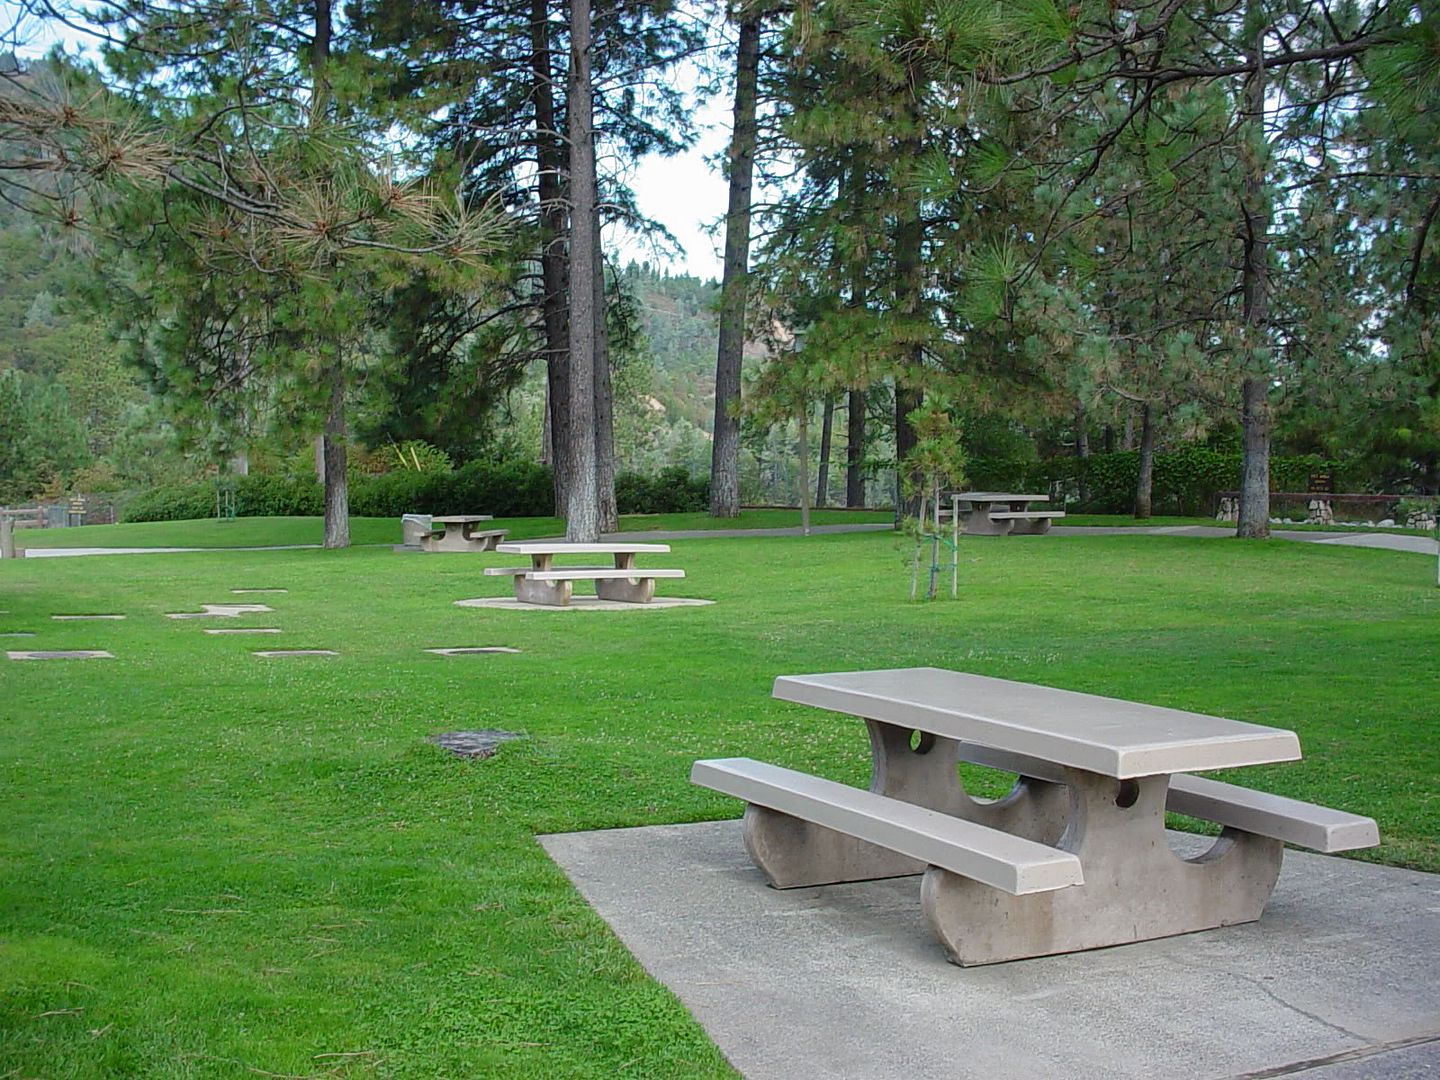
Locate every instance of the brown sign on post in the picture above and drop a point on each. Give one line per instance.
(1321, 483)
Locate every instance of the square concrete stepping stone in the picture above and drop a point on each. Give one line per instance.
(270, 654)
(242, 592)
(472, 651)
(17, 633)
(242, 630)
(62, 654)
(84, 618)
(474, 744)
(219, 611)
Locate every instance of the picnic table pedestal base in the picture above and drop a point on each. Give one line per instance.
(551, 593)
(626, 590)
(977, 522)
(1135, 887)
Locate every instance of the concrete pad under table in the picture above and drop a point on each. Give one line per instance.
(583, 603)
(846, 981)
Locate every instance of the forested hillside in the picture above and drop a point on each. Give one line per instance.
(74, 416)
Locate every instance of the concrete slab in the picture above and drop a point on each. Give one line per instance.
(62, 654)
(86, 618)
(472, 650)
(242, 592)
(219, 611)
(243, 630)
(582, 603)
(846, 981)
(279, 654)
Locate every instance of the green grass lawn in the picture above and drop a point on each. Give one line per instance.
(214, 865)
(273, 531)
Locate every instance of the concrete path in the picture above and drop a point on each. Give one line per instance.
(1340, 980)
(1346, 538)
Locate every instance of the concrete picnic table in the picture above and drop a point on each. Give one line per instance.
(460, 534)
(1075, 856)
(998, 513)
(542, 582)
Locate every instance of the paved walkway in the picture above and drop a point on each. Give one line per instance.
(1340, 980)
(1340, 538)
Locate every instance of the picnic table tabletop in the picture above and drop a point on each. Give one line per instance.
(461, 519)
(1120, 739)
(560, 547)
(993, 496)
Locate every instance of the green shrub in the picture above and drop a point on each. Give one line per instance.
(178, 502)
(1186, 481)
(670, 491)
(504, 489)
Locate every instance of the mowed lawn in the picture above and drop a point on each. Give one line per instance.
(290, 531)
(214, 865)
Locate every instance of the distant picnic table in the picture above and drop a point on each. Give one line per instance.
(542, 582)
(998, 513)
(458, 532)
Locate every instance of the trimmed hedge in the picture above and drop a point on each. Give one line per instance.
(670, 491)
(504, 489)
(1185, 481)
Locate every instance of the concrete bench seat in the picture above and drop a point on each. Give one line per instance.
(599, 573)
(1301, 824)
(1027, 515)
(965, 848)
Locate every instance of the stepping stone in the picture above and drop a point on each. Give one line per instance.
(67, 654)
(17, 633)
(243, 630)
(275, 653)
(474, 744)
(241, 592)
(468, 651)
(218, 611)
(84, 618)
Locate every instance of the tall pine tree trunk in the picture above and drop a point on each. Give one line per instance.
(550, 164)
(908, 289)
(856, 408)
(855, 450)
(334, 444)
(604, 398)
(1253, 521)
(725, 448)
(1082, 451)
(1145, 483)
(822, 475)
(582, 505)
(337, 485)
(909, 298)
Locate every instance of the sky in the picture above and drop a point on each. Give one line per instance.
(683, 192)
